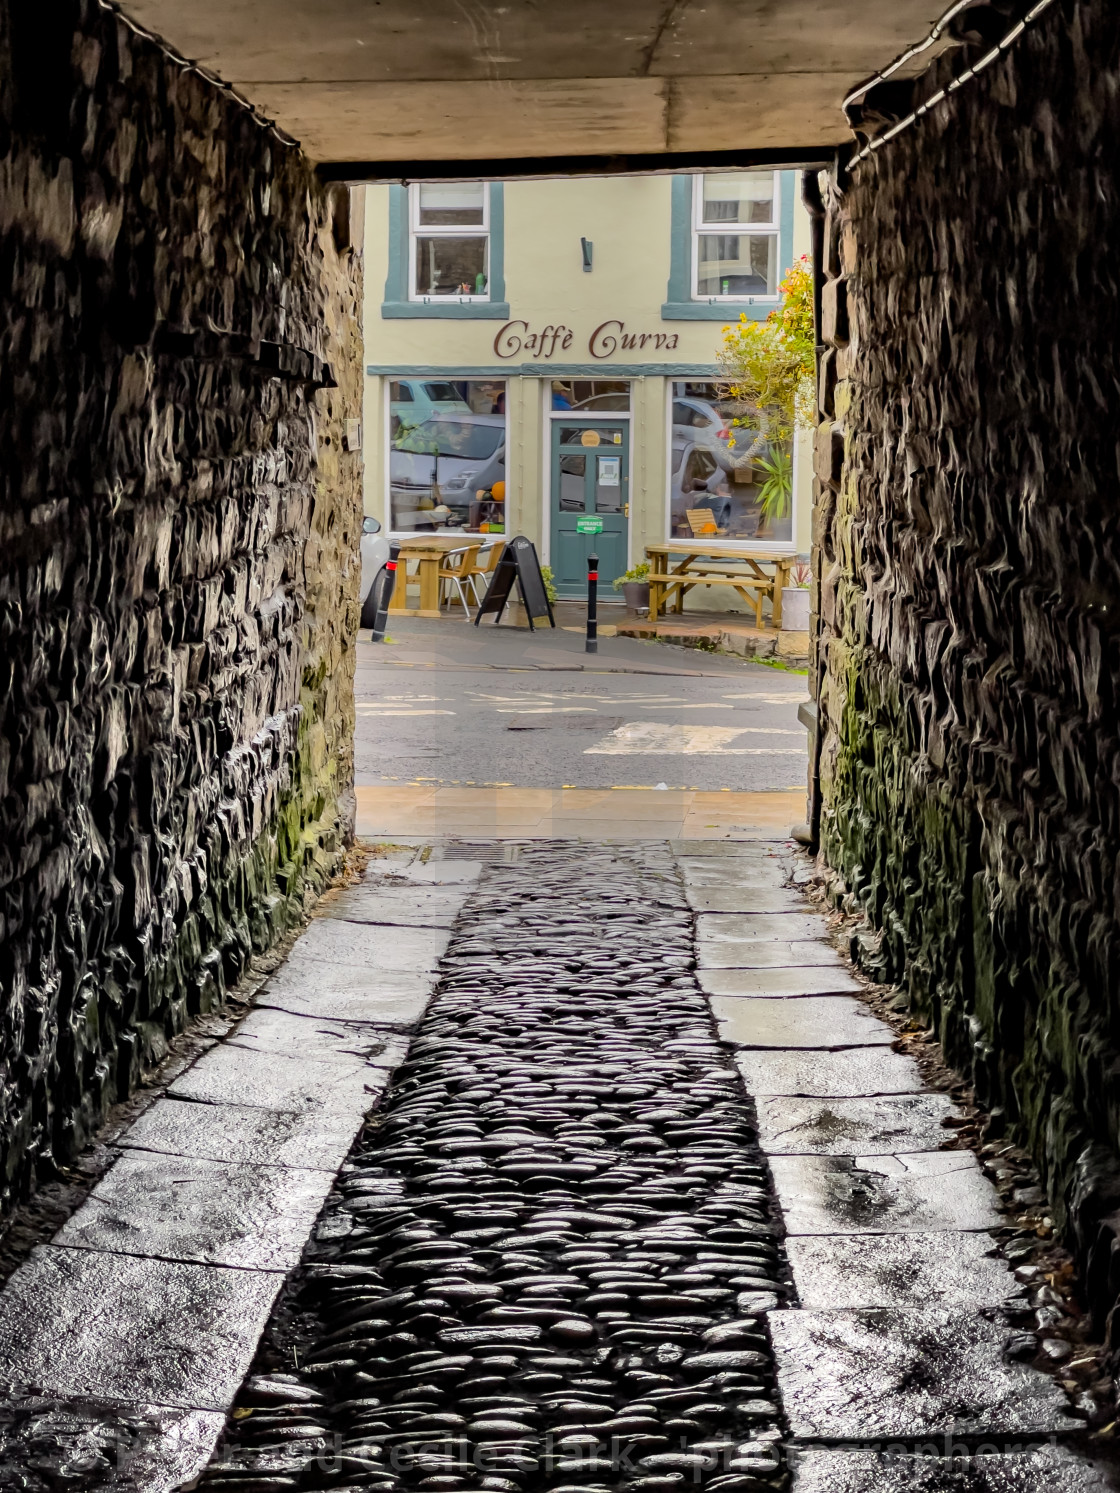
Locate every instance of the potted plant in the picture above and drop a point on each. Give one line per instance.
(634, 586)
(775, 496)
(795, 599)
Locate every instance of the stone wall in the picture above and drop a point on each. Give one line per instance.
(178, 585)
(969, 523)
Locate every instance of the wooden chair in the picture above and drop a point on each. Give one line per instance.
(481, 573)
(457, 567)
(702, 521)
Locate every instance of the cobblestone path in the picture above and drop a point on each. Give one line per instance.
(545, 1263)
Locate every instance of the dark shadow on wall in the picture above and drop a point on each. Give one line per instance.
(179, 525)
(968, 515)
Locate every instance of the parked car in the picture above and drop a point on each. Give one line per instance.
(603, 403)
(414, 400)
(445, 461)
(377, 582)
(700, 422)
(697, 481)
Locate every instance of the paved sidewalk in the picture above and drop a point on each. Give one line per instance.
(551, 1264)
(413, 811)
(124, 1341)
(652, 1203)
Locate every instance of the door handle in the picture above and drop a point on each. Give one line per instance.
(626, 510)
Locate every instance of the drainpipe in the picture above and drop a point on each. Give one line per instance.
(809, 713)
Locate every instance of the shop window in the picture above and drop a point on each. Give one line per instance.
(590, 396)
(736, 234)
(449, 240)
(733, 486)
(447, 455)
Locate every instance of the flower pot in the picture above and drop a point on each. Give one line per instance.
(795, 609)
(636, 594)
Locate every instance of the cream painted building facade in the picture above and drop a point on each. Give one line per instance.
(558, 338)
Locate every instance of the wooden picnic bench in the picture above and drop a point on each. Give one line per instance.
(705, 564)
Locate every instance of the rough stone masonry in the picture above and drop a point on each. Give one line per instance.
(968, 469)
(178, 532)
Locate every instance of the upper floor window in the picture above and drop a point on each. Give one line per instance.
(449, 241)
(735, 235)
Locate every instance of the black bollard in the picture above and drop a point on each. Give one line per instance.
(592, 644)
(385, 593)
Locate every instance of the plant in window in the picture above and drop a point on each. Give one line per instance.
(768, 373)
(775, 496)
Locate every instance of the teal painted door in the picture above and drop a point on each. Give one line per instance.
(590, 479)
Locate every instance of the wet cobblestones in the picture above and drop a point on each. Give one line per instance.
(545, 1263)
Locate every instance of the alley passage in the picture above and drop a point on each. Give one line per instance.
(545, 1264)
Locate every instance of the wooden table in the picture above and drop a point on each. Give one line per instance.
(426, 551)
(705, 564)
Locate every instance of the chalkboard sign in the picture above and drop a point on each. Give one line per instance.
(518, 563)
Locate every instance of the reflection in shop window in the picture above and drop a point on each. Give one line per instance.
(447, 456)
(735, 229)
(600, 396)
(720, 485)
(449, 240)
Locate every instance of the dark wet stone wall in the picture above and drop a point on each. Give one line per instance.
(178, 350)
(968, 513)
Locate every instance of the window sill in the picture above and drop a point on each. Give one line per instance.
(445, 310)
(725, 311)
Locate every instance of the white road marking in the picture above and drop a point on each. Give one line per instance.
(769, 698)
(381, 711)
(656, 736)
(548, 710)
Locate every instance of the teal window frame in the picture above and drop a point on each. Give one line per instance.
(680, 303)
(397, 304)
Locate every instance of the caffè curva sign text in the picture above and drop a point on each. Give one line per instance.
(608, 337)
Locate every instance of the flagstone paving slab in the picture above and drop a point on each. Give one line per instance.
(952, 1268)
(380, 1004)
(695, 853)
(847, 1074)
(234, 1132)
(410, 907)
(715, 927)
(889, 1374)
(435, 872)
(746, 899)
(879, 1126)
(213, 1212)
(702, 874)
(78, 1442)
(758, 953)
(332, 941)
(230, 1074)
(1035, 1469)
(318, 1039)
(828, 1021)
(186, 1336)
(734, 979)
(884, 1194)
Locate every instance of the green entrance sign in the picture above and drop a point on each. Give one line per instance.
(589, 525)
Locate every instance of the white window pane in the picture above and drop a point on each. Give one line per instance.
(739, 197)
(737, 264)
(451, 266)
(455, 203)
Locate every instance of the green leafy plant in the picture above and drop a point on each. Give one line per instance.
(768, 370)
(636, 573)
(549, 583)
(775, 496)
